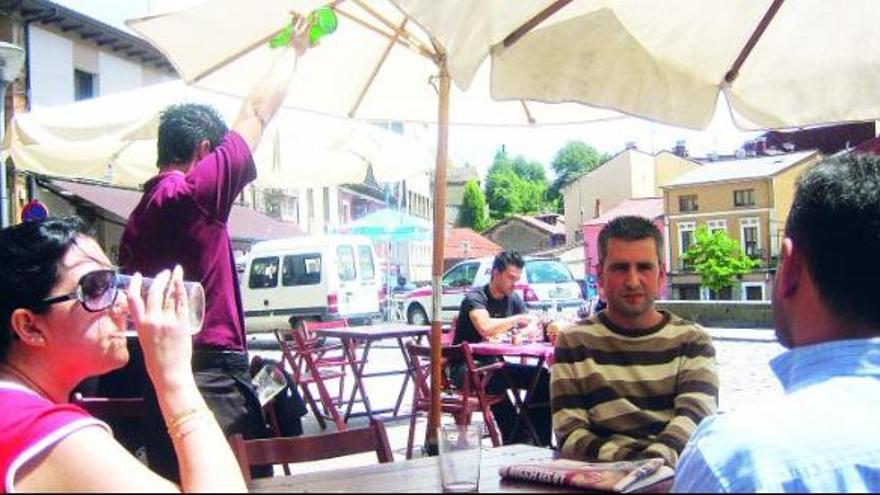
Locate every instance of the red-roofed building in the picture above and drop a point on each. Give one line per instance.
(871, 146)
(462, 244)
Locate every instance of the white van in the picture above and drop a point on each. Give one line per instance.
(314, 277)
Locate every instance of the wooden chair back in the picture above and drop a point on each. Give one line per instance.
(309, 327)
(420, 360)
(286, 450)
(110, 408)
(448, 335)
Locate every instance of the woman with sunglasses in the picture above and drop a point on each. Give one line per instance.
(62, 319)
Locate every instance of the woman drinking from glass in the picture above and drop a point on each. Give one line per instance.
(62, 320)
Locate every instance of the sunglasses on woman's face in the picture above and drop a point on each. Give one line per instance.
(96, 291)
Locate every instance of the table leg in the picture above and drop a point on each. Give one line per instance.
(405, 376)
(358, 372)
(524, 404)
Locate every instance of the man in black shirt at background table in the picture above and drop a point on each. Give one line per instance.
(490, 311)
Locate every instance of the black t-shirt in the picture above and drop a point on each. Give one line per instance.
(481, 299)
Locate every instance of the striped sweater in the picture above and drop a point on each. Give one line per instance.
(623, 394)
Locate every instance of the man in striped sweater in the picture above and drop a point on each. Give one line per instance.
(631, 382)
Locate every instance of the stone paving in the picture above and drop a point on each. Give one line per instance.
(744, 373)
(742, 356)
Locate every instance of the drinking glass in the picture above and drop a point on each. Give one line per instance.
(268, 382)
(195, 298)
(460, 450)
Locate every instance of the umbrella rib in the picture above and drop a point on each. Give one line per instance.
(534, 21)
(733, 73)
(210, 70)
(378, 67)
(390, 25)
(529, 116)
(404, 43)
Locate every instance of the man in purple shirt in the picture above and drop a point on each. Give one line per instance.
(182, 218)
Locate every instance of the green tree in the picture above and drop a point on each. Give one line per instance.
(474, 212)
(515, 186)
(717, 258)
(575, 159)
(531, 171)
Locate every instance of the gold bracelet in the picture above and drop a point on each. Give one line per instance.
(180, 432)
(180, 418)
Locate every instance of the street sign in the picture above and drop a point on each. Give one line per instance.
(34, 211)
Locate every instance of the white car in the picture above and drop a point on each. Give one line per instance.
(546, 284)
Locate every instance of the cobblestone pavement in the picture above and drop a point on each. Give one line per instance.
(744, 375)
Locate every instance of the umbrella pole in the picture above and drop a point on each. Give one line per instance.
(437, 265)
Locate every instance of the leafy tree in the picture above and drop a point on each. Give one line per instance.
(515, 186)
(474, 212)
(717, 258)
(575, 159)
(531, 171)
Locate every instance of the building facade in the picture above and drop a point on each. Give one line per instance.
(627, 175)
(528, 234)
(456, 179)
(749, 199)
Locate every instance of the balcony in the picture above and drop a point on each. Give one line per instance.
(767, 263)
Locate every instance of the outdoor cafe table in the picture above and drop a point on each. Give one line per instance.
(420, 475)
(543, 352)
(369, 334)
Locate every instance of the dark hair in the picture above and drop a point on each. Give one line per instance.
(507, 258)
(30, 254)
(182, 127)
(629, 228)
(835, 222)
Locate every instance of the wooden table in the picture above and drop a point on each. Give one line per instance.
(544, 352)
(418, 475)
(369, 334)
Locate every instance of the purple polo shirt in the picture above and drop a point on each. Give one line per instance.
(181, 218)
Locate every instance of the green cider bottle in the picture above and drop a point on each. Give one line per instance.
(322, 21)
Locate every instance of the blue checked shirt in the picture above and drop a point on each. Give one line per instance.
(823, 436)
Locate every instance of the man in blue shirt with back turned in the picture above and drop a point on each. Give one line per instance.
(822, 436)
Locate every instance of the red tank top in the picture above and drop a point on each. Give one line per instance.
(29, 425)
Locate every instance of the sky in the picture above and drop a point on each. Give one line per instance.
(477, 145)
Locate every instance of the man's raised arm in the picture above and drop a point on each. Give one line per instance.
(264, 100)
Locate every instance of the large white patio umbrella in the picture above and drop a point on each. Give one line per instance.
(113, 138)
(779, 63)
(379, 65)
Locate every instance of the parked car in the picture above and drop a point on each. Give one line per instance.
(314, 277)
(546, 284)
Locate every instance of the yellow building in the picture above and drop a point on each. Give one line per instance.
(627, 175)
(747, 198)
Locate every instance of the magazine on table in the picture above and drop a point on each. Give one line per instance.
(622, 477)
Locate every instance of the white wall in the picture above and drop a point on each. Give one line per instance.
(51, 68)
(54, 56)
(116, 74)
(154, 76)
(643, 180)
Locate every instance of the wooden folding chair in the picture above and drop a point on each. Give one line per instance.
(287, 450)
(459, 402)
(313, 362)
